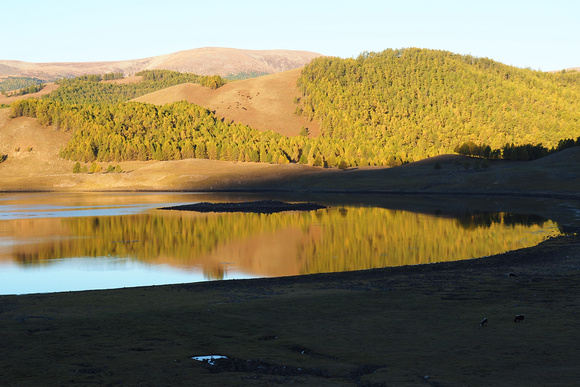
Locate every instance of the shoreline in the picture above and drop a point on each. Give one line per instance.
(496, 262)
(394, 192)
(403, 325)
(380, 326)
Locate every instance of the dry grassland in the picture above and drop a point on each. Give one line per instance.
(263, 103)
(202, 61)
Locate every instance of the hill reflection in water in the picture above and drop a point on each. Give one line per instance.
(338, 238)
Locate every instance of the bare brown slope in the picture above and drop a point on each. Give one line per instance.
(31, 150)
(203, 61)
(228, 61)
(264, 103)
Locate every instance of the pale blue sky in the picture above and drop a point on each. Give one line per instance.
(543, 35)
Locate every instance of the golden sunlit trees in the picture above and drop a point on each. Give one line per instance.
(420, 103)
(383, 109)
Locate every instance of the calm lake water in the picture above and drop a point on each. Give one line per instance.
(64, 242)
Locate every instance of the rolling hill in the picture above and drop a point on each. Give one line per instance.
(203, 61)
(369, 109)
(264, 103)
(41, 169)
(420, 103)
(380, 109)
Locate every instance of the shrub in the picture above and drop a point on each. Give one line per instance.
(77, 167)
(95, 168)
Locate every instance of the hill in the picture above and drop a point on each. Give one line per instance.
(41, 169)
(381, 109)
(203, 61)
(31, 152)
(417, 103)
(264, 103)
(49, 88)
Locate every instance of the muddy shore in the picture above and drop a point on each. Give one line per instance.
(257, 206)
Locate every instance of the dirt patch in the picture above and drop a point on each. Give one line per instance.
(31, 150)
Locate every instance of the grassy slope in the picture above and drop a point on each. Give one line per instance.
(264, 103)
(42, 169)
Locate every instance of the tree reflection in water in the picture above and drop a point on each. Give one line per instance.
(288, 243)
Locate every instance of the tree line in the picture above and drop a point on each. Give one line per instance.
(524, 152)
(90, 89)
(17, 83)
(26, 90)
(138, 131)
(180, 130)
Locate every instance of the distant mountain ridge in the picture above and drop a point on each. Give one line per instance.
(202, 61)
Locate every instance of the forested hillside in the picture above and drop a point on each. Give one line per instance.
(90, 89)
(379, 109)
(139, 131)
(417, 103)
(15, 83)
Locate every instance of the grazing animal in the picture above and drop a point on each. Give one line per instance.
(519, 318)
(483, 322)
(513, 275)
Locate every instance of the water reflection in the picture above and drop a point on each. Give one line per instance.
(338, 238)
(471, 221)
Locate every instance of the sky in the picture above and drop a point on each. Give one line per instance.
(542, 35)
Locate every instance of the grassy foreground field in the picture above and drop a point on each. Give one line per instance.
(414, 325)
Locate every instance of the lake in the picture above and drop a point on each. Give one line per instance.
(63, 242)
